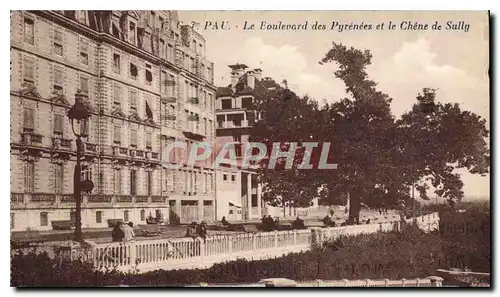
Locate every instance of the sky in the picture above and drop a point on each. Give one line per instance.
(404, 61)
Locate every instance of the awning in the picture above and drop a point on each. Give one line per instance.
(233, 204)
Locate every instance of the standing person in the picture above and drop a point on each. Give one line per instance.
(128, 232)
(224, 221)
(117, 234)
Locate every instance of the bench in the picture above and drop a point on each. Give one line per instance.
(250, 229)
(63, 225)
(113, 222)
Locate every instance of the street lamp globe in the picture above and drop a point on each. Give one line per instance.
(79, 113)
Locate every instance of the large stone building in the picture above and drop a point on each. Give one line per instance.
(145, 79)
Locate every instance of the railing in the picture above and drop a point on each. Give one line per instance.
(141, 199)
(61, 143)
(157, 199)
(189, 253)
(100, 199)
(124, 199)
(17, 198)
(89, 147)
(431, 281)
(68, 198)
(43, 198)
(30, 138)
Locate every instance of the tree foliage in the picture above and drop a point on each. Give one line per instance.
(380, 158)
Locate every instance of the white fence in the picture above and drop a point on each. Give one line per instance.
(189, 253)
(431, 281)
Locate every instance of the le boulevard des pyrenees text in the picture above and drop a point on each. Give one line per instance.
(409, 25)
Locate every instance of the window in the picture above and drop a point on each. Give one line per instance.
(86, 173)
(170, 52)
(12, 220)
(233, 178)
(28, 119)
(210, 129)
(84, 55)
(152, 18)
(193, 65)
(224, 177)
(84, 84)
(170, 86)
(193, 45)
(58, 124)
(116, 63)
(237, 137)
(162, 49)
(125, 215)
(117, 95)
(133, 182)
(29, 70)
(117, 134)
(72, 216)
(163, 86)
(133, 100)
(149, 140)
(58, 80)
(149, 75)
(170, 181)
(143, 215)
(133, 71)
(209, 74)
(58, 42)
(29, 31)
(44, 219)
(149, 182)
(100, 182)
(98, 216)
(29, 177)
(131, 35)
(211, 102)
(118, 181)
(133, 137)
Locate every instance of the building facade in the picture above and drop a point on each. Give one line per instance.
(239, 195)
(145, 80)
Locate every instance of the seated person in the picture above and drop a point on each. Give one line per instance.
(298, 224)
(224, 221)
(201, 230)
(327, 221)
(191, 230)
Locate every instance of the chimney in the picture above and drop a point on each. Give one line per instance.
(258, 73)
(250, 79)
(234, 79)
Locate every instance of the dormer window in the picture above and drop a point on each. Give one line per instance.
(131, 31)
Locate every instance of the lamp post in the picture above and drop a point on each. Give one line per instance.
(79, 113)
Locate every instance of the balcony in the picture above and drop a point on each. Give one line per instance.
(139, 154)
(231, 124)
(61, 143)
(68, 198)
(155, 156)
(43, 198)
(124, 199)
(168, 99)
(89, 148)
(120, 152)
(158, 199)
(31, 138)
(141, 199)
(99, 199)
(17, 198)
(194, 100)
